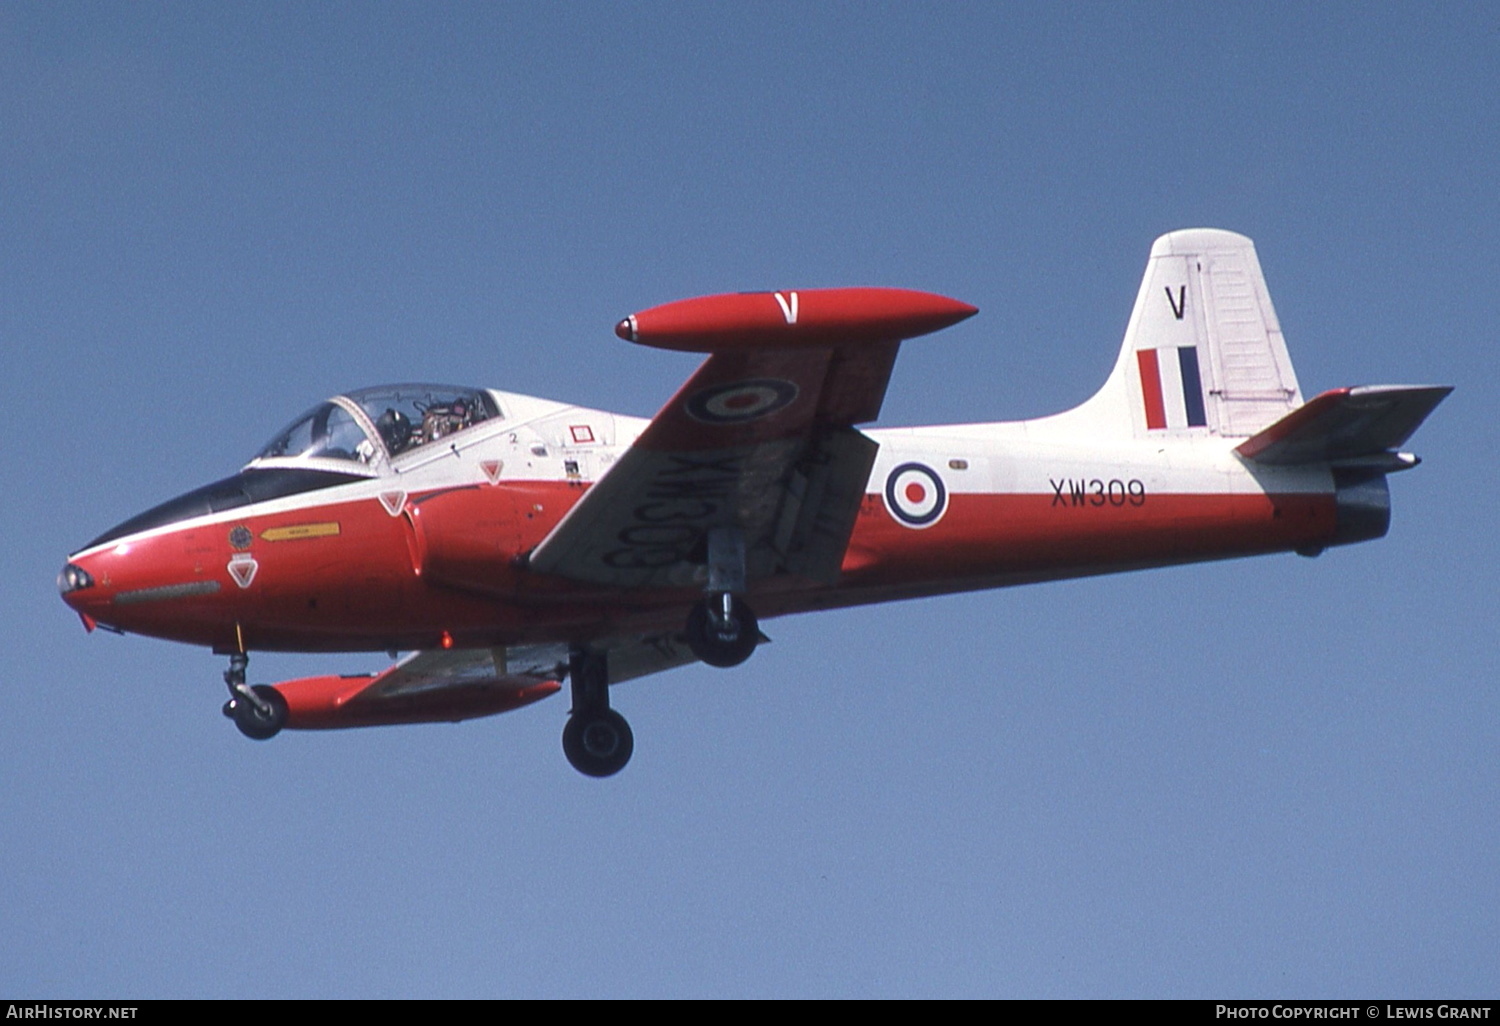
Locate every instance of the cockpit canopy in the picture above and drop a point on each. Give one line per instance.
(372, 425)
(337, 442)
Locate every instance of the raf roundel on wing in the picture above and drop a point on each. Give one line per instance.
(741, 401)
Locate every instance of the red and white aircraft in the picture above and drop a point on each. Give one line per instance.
(509, 543)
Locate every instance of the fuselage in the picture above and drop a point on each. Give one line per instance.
(428, 547)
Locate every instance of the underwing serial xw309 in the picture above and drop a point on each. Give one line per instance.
(510, 543)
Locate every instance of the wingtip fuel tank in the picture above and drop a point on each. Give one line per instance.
(792, 319)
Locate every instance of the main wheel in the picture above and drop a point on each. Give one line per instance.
(255, 724)
(598, 744)
(720, 642)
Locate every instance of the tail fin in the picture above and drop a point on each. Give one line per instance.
(1203, 353)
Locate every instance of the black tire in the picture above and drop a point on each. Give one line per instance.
(598, 744)
(253, 723)
(722, 645)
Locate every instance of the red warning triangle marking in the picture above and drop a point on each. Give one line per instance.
(242, 569)
(393, 502)
(492, 469)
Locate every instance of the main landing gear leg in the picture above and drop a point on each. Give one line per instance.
(721, 629)
(597, 740)
(259, 711)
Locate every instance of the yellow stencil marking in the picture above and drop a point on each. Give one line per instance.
(296, 532)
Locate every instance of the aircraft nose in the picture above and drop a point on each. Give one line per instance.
(78, 589)
(72, 580)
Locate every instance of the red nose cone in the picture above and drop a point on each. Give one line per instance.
(626, 329)
(84, 584)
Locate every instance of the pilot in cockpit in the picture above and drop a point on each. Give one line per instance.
(442, 420)
(395, 431)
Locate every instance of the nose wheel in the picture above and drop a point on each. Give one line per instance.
(258, 722)
(597, 740)
(260, 711)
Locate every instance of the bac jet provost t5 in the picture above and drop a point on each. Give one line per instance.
(509, 543)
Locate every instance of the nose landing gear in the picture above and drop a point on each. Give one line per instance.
(260, 711)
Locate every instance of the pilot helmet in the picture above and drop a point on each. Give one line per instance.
(395, 430)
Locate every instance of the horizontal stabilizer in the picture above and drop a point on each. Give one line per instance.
(1345, 424)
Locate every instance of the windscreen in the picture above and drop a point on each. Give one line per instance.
(327, 431)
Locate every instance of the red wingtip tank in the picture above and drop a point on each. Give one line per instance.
(324, 703)
(805, 318)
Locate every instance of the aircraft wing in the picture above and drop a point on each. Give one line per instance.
(448, 685)
(761, 438)
(1345, 424)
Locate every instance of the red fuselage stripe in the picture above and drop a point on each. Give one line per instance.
(452, 564)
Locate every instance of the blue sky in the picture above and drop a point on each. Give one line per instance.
(1259, 778)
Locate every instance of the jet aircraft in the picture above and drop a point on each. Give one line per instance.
(509, 544)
